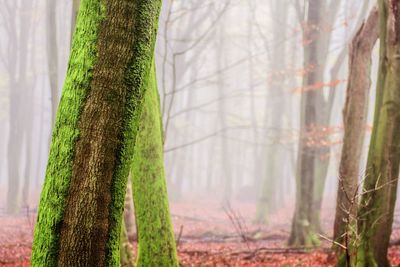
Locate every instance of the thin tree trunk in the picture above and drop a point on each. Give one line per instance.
(18, 54)
(52, 55)
(322, 157)
(129, 212)
(272, 152)
(225, 166)
(80, 213)
(354, 120)
(303, 232)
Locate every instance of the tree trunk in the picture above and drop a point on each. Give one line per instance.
(380, 186)
(354, 121)
(327, 16)
(81, 205)
(302, 229)
(19, 34)
(272, 153)
(226, 172)
(154, 227)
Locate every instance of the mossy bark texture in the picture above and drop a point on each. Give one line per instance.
(81, 204)
(354, 120)
(379, 194)
(156, 241)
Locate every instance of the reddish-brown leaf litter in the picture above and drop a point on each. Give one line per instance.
(208, 234)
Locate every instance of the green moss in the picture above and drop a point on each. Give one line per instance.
(65, 134)
(377, 206)
(156, 243)
(66, 131)
(137, 75)
(365, 257)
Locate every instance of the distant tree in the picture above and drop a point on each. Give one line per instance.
(81, 205)
(355, 121)
(382, 171)
(52, 54)
(303, 232)
(272, 153)
(222, 117)
(129, 213)
(15, 57)
(74, 15)
(156, 241)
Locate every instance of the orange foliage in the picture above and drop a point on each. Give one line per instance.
(318, 86)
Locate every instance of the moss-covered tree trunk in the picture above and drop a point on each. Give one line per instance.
(378, 200)
(354, 120)
(302, 231)
(81, 205)
(156, 241)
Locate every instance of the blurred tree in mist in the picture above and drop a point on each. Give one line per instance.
(16, 59)
(268, 200)
(52, 56)
(315, 110)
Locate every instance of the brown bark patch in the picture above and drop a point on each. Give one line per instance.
(85, 227)
(394, 23)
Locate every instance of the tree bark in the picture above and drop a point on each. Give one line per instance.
(302, 229)
(154, 227)
(375, 216)
(81, 205)
(354, 121)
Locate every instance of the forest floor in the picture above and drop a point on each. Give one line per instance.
(208, 235)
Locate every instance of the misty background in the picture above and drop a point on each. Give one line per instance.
(230, 80)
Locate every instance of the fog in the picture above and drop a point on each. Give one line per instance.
(230, 78)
